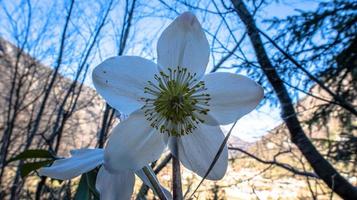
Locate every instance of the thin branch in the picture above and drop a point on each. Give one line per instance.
(298, 136)
(346, 105)
(215, 159)
(273, 162)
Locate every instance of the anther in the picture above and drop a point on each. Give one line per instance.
(177, 101)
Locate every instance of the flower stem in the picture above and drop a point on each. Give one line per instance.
(156, 186)
(176, 173)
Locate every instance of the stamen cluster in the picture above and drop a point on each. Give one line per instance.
(177, 102)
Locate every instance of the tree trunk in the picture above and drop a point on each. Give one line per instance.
(321, 166)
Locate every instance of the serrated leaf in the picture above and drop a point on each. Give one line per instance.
(32, 153)
(29, 167)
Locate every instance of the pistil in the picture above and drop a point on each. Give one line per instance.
(177, 102)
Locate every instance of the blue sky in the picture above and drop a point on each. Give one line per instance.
(142, 40)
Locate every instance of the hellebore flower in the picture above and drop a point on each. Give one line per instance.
(173, 99)
(118, 185)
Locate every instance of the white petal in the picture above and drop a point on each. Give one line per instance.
(197, 150)
(232, 96)
(209, 119)
(183, 43)
(143, 177)
(121, 80)
(118, 186)
(82, 160)
(133, 144)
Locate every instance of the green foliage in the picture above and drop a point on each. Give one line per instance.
(86, 188)
(32, 153)
(28, 167)
(82, 190)
(91, 180)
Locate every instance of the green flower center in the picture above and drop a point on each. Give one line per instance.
(177, 103)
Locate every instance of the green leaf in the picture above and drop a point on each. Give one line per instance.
(86, 188)
(32, 153)
(29, 167)
(83, 192)
(91, 180)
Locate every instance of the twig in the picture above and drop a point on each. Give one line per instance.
(215, 158)
(341, 101)
(281, 165)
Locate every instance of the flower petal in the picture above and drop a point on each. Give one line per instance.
(133, 144)
(183, 43)
(82, 160)
(140, 173)
(232, 96)
(121, 80)
(117, 186)
(197, 150)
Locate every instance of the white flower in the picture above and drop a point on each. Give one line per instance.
(173, 98)
(111, 186)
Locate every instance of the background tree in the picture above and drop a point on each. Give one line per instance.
(305, 61)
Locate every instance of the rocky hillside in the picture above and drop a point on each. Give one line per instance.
(256, 171)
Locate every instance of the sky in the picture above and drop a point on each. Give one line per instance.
(257, 123)
(142, 42)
